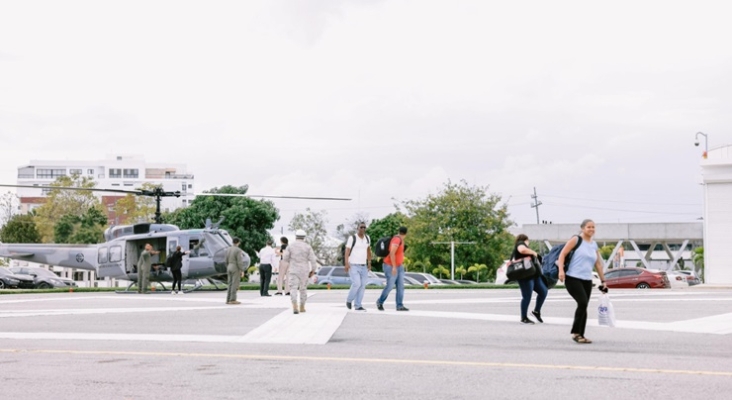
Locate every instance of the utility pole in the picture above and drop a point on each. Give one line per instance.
(536, 205)
(452, 244)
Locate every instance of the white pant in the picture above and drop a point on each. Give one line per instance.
(298, 282)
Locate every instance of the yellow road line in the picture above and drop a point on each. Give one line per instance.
(377, 361)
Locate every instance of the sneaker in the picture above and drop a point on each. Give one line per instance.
(179, 292)
(527, 321)
(173, 292)
(287, 294)
(266, 295)
(402, 308)
(537, 315)
(348, 305)
(380, 306)
(360, 309)
(278, 294)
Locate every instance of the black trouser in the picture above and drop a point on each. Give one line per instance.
(177, 276)
(265, 276)
(580, 290)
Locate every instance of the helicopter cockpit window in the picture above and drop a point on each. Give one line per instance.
(115, 254)
(102, 255)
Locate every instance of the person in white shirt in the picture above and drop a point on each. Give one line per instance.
(266, 259)
(357, 261)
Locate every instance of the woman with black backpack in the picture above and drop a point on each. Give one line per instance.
(535, 283)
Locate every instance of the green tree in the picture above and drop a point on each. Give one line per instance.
(479, 272)
(20, 229)
(441, 271)
(133, 208)
(606, 251)
(461, 271)
(461, 213)
(698, 260)
(387, 227)
(245, 218)
(8, 207)
(313, 223)
(85, 229)
(60, 202)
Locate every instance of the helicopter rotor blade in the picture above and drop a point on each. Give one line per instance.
(272, 197)
(74, 188)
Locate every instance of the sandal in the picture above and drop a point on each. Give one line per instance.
(581, 339)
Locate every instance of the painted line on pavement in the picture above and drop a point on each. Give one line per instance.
(445, 363)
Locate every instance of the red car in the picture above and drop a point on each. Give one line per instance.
(628, 278)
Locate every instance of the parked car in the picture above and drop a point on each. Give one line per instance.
(691, 277)
(449, 282)
(10, 280)
(337, 276)
(407, 280)
(43, 278)
(422, 278)
(466, 282)
(677, 279)
(636, 278)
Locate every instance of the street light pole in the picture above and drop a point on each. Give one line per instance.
(706, 142)
(452, 255)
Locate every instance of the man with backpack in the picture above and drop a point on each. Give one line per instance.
(357, 260)
(394, 271)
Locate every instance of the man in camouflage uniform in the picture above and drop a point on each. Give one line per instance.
(144, 264)
(235, 259)
(302, 263)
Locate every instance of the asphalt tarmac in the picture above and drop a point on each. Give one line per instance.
(453, 344)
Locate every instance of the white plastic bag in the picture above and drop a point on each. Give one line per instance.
(605, 312)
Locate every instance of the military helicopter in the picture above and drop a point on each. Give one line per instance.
(117, 257)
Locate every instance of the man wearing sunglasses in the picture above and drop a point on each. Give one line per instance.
(357, 261)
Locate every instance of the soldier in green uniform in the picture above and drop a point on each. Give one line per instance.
(144, 264)
(235, 270)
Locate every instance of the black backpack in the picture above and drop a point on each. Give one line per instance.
(344, 244)
(381, 248)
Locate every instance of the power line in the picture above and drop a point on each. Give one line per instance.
(616, 209)
(624, 202)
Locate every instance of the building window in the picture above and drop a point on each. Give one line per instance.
(50, 173)
(45, 191)
(90, 172)
(183, 186)
(131, 173)
(74, 172)
(115, 173)
(115, 184)
(190, 186)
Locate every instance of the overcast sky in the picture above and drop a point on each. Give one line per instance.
(382, 101)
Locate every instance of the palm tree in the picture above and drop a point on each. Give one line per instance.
(698, 261)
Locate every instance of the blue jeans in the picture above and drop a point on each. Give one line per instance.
(527, 287)
(359, 274)
(392, 279)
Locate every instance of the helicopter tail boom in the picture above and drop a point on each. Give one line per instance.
(79, 257)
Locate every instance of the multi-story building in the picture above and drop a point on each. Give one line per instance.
(115, 172)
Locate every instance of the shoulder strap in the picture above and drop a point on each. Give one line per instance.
(579, 242)
(368, 240)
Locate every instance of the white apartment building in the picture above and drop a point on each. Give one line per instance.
(127, 172)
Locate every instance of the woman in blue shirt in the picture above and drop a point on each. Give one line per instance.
(577, 277)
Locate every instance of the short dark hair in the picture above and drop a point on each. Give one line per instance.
(402, 230)
(237, 240)
(284, 240)
(269, 241)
